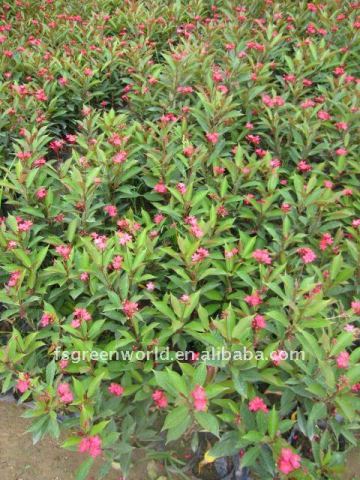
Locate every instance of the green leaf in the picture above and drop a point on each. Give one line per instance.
(71, 230)
(95, 384)
(164, 309)
(336, 265)
(344, 340)
(273, 423)
(208, 422)
(50, 372)
(176, 432)
(22, 257)
(84, 469)
(175, 417)
(250, 456)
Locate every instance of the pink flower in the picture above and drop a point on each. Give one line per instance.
(200, 399)
(342, 360)
(116, 389)
(160, 398)
(231, 253)
(150, 286)
(325, 241)
(200, 255)
(275, 163)
(341, 151)
(23, 384)
(185, 90)
(25, 225)
(161, 188)
(356, 388)
(100, 242)
(57, 145)
(278, 356)
(169, 117)
(257, 404)
(303, 166)
(285, 208)
(188, 151)
(258, 322)
(159, 217)
(120, 157)
(222, 88)
(355, 305)
(230, 46)
(349, 328)
(184, 298)
(328, 184)
(254, 299)
(254, 139)
(111, 210)
(124, 238)
(181, 187)
(288, 461)
(46, 319)
(40, 95)
(63, 363)
(41, 193)
(322, 115)
(306, 254)
(84, 277)
(115, 140)
(272, 102)
(308, 103)
(217, 76)
(341, 126)
(117, 262)
(212, 137)
(289, 78)
(39, 162)
(338, 71)
(218, 170)
(80, 315)
(14, 279)
(11, 244)
(65, 393)
(91, 445)
(262, 256)
(64, 251)
(86, 111)
(130, 308)
(222, 212)
(196, 231)
(63, 81)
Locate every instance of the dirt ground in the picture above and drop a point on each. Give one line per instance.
(21, 460)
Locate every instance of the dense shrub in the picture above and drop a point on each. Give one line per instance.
(183, 175)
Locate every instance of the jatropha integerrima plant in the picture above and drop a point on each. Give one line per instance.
(180, 230)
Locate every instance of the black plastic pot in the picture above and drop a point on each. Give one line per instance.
(229, 468)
